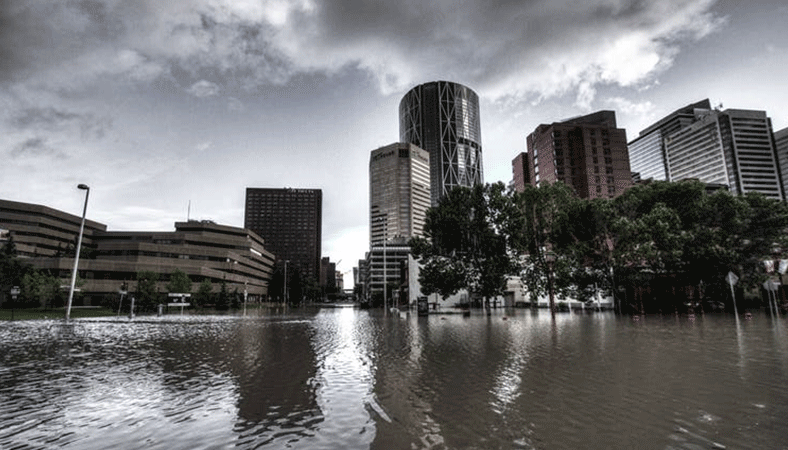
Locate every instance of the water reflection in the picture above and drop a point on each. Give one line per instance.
(343, 378)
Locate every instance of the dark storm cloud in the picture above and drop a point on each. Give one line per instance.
(542, 46)
(500, 47)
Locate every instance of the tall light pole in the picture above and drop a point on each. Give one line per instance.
(85, 188)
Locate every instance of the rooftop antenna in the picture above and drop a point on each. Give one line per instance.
(188, 210)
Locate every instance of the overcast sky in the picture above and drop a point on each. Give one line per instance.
(158, 103)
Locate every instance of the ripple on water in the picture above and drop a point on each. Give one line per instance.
(358, 380)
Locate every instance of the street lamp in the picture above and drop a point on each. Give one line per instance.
(549, 259)
(85, 188)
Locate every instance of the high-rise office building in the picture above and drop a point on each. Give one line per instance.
(399, 196)
(781, 147)
(587, 153)
(399, 191)
(732, 147)
(647, 154)
(291, 222)
(443, 118)
(695, 151)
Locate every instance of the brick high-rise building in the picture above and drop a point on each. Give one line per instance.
(587, 153)
(520, 172)
(290, 221)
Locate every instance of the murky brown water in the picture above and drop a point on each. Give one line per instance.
(350, 379)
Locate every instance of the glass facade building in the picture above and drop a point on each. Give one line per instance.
(696, 152)
(781, 146)
(732, 147)
(442, 118)
(647, 153)
(647, 157)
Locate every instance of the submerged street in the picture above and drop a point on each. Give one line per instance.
(357, 379)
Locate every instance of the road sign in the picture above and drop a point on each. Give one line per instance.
(771, 285)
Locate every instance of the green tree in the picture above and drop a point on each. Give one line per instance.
(311, 289)
(147, 293)
(203, 295)
(542, 215)
(276, 284)
(179, 282)
(296, 283)
(223, 298)
(12, 270)
(466, 243)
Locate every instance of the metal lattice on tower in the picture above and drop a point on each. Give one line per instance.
(443, 118)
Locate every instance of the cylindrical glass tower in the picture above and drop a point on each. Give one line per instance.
(443, 118)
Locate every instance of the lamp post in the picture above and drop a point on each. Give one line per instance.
(549, 258)
(85, 188)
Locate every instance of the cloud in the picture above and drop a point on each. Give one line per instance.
(52, 119)
(203, 89)
(643, 109)
(35, 147)
(233, 104)
(528, 50)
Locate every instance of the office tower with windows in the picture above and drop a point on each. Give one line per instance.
(290, 222)
(647, 153)
(781, 147)
(587, 153)
(734, 147)
(399, 191)
(442, 118)
(399, 196)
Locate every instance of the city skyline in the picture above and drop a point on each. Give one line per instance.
(158, 106)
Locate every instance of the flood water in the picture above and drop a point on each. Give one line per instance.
(343, 378)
